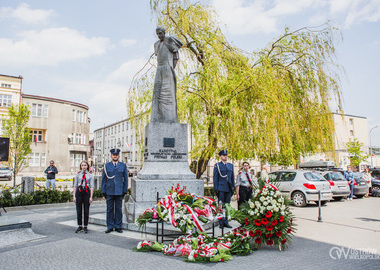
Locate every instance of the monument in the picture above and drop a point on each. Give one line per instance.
(166, 144)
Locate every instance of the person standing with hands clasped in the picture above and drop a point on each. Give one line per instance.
(114, 187)
(224, 183)
(83, 191)
(244, 184)
(51, 171)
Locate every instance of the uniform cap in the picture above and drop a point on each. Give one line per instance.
(115, 151)
(223, 152)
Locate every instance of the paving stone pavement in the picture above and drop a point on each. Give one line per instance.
(63, 249)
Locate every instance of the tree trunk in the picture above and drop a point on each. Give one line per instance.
(202, 166)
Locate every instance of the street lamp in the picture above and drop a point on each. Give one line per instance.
(96, 160)
(370, 143)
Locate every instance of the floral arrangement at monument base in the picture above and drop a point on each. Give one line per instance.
(184, 211)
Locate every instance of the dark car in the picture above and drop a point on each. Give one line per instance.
(360, 185)
(375, 189)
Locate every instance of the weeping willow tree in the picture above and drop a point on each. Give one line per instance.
(271, 104)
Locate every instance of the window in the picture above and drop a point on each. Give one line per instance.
(72, 160)
(351, 133)
(122, 127)
(46, 111)
(273, 176)
(5, 85)
(36, 110)
(43, 159)
(76, 159)
(118, 128)
(351, 121)
(34, 160)
(79, 116)
(287, 176)
(5, 100)
(37, 135)
(313, 176)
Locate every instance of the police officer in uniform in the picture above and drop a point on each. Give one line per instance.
(224, 182)
(114, 187)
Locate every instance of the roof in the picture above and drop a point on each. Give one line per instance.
(349, 115)
(18, 77)
(55, 100)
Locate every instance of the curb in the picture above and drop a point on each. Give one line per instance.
(49, 205)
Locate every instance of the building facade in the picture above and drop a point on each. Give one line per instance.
(10, 93)
(59, 131)
(117, 135)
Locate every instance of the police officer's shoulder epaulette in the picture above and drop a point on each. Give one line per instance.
(78, 172)
(239, 172)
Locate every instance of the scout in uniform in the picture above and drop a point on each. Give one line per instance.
(244, 184)
(224, 182)
(114, 187)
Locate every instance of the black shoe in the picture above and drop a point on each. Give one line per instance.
(85, 230)
(221, 226)
(80, 228)
(228, 226)
(108, 230)
(119, 230)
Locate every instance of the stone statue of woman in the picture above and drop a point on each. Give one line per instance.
(164, 105)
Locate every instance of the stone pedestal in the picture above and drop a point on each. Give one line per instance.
(97, 182)
(27, 184)
(165, 165)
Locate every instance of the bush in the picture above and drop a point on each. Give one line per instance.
(209, 191)
(66, 196)
(23, 199)
(97, 193)
(6, 199)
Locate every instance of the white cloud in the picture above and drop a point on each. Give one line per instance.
(263, 16)
(127, 70)
(359, 11)
(25, 14)
(243, 17)
(128, 42)
(50, 47)
(106, 98)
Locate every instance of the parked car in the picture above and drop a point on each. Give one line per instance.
(375, 172)
(375, 188)
(302, 186)
(360, 185)
(339, 185)
(132, 171)
(5, 173)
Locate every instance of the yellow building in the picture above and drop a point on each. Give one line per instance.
(10, 93)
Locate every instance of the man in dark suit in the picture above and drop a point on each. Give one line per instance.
(224, 182)
(114, 187)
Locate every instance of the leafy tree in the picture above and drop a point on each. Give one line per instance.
(271, 104)
(15, 128)
(356, 155)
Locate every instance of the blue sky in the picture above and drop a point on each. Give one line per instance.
(88, 51)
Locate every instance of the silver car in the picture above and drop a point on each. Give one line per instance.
(339, 185)
(5, 173)
(302, 186)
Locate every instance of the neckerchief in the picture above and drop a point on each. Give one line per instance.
(84, 179)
